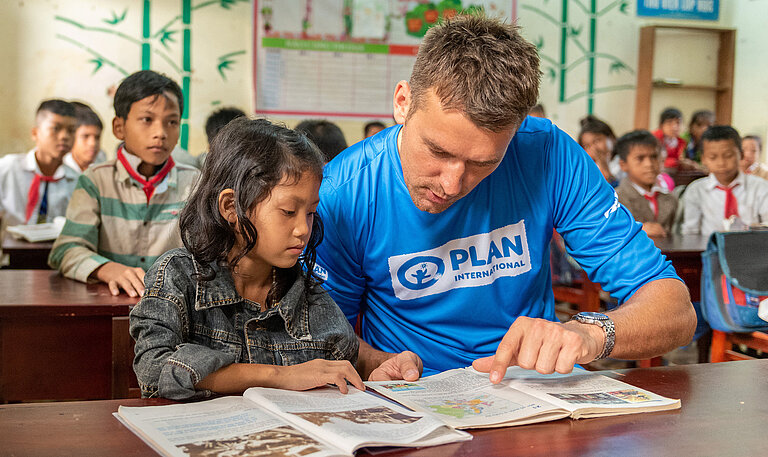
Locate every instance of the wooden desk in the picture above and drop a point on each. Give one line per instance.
(724, 411)
(684, 251)
(61, 339)
(23, 254)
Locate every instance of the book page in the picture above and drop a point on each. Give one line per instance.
(35, 233)
(465, 399)
(223, 427)
(357, 419)
(587, 392)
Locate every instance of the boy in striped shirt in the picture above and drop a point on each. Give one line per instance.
(123, 213)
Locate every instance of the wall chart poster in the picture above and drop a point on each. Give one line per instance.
(343, 58)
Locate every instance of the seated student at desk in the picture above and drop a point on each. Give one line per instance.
(123, 213)
(437, 230)
(651, 205)
(87, 148)
(239, 307)
(35, 187)
(727, 193)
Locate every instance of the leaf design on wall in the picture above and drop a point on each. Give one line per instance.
(98, 63)
(225, 61)
(167, 37)
(115, 18)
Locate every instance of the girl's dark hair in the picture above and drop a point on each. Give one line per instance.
(591, 124)
(250, 157)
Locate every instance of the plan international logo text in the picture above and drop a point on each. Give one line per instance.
(473, 261)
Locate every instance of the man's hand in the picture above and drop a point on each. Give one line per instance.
(544, 346)
(405, 365)
(654, 230)
(119, 276)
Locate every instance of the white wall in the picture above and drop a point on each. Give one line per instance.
(40, 64)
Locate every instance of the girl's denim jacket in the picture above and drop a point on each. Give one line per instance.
(186, 330)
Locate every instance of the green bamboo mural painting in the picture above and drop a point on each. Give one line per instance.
(171, 43)
(571, 23)
(146, 47)
(186, 59)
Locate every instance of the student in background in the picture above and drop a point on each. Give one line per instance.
(215, 122)
(668, 135)
(598, 139)
(239, 306)
(537, 111)
(727, 192)
(372, 128)
(218, 119)
(87, 148)
(35, 187)
(123, 213)
(700, 121)
(649, 204)
(326, 135)
(751, 146)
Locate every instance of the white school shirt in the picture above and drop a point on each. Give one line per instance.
(16, 174)
(71, 163)
(704, 204)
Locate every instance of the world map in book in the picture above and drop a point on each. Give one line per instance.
(463, 407)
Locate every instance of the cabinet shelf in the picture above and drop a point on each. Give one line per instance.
(721, 70)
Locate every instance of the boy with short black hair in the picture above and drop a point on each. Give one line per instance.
(649, 204)
(218, 119)
(326, 135)
(87, 148)
(372, 128)
(35, 187)
(726, 193)
(123, 213)
(215, 122)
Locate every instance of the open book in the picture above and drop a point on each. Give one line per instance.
(465, 398)
(321, 422)
(35, 233)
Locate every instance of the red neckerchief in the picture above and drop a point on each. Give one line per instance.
(147, 186)
(731, 205)
(33, 197)
(654, 204)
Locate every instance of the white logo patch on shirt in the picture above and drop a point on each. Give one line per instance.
(476, 260)
(613, 207)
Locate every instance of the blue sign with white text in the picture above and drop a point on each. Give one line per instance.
(703, 10)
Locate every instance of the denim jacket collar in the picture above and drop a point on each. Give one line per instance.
(221, 291)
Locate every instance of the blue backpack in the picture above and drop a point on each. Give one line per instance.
(734, 279)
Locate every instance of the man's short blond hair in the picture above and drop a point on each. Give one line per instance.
(480, 66)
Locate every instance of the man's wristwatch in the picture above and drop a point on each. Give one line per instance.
(603, 321)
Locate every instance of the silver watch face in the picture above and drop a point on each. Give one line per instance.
(592, 315)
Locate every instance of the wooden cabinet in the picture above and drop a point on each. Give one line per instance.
(690, 68)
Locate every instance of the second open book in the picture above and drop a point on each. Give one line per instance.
(324, 422)
(464, 398)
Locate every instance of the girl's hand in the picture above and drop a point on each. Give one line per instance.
(319, 372)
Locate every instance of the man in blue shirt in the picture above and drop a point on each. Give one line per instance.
(437, 230)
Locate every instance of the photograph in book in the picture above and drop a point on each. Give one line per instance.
(374, 415)
(277, 442)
